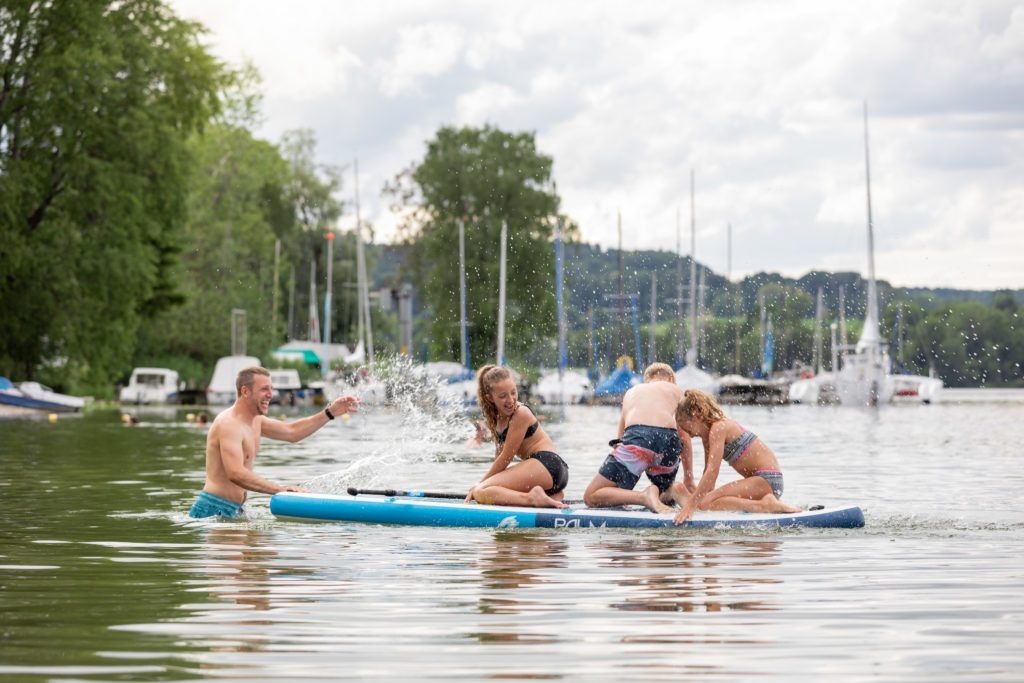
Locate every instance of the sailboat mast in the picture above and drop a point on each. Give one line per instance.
(843, 341)
(330, 292)
(501, 294)
(819, 313)
(679, 288)
(651, 352)
(691, 355)
(314, 317)
(622, 293)
(364, 285)
(291, 304)
(277, 286)
(736, 313)
(872, 312)
(463, 341)
(563, 359)
(590, 337)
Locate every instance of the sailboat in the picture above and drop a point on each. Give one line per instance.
(611, 388)
(864, 378)
(562, 386)
(459, 387)
(690, 376)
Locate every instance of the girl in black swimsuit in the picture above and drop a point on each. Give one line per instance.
(540, 479)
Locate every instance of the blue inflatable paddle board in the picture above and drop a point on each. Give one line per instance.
(376, 509)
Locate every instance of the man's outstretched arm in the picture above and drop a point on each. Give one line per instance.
(300, 429)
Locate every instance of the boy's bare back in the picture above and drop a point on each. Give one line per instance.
(652, 403)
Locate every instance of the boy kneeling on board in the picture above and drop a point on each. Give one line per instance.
(648, 443)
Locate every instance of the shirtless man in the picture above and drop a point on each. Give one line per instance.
(648, 444)
(234, 440)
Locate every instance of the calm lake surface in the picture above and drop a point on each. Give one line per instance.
(103, 577)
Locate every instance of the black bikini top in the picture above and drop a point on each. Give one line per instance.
(530, 431)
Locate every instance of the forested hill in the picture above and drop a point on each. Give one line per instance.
(592, 279)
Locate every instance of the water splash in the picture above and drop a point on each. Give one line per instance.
(428, 414)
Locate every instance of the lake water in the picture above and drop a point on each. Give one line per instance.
(102, 576)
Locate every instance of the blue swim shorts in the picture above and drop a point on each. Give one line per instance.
(209, 505)
(653, 451)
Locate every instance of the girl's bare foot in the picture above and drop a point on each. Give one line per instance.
(539, 499)
(652, 500)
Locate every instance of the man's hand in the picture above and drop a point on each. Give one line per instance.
(343, 405)
(469, 496)
(295, 489)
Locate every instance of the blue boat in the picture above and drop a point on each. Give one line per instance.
(35, 396)
(422, 511)
(613, 387)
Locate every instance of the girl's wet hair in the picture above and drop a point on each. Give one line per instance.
(486, 378)
(700, 405)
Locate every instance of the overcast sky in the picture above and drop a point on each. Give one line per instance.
(762, 99)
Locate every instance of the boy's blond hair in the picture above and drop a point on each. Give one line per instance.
(700, 405)
(659, 369)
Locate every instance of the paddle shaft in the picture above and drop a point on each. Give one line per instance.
(353, 491)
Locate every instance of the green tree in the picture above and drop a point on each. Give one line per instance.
(484, 177)
(972, 344)
(245, 194)
(97, 101)
(237, 189)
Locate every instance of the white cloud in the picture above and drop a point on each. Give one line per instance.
(482, 105)
(423, 51)
(763, 100)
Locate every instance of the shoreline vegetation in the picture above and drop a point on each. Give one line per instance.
(139, 210)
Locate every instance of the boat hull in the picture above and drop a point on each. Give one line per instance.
(22, 401)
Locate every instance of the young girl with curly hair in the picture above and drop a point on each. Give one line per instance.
(698, 415)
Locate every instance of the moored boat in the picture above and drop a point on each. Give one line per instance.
(222, 390)
(151, 385)
(36, 396)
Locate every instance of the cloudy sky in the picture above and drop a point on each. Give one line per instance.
(762, 100)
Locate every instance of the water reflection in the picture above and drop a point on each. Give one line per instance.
(667, 575)
(241, 563)
(514, 563)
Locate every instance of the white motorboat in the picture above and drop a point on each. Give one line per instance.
(572, 387)
(221, 390)
(151, 385)
(916, 389)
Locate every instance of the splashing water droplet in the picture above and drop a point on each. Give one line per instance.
(430, 414)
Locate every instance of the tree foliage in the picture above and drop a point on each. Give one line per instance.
(245, 194)
(97, 100)
(483, 177)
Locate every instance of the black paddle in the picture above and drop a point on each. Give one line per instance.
(353, 491)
